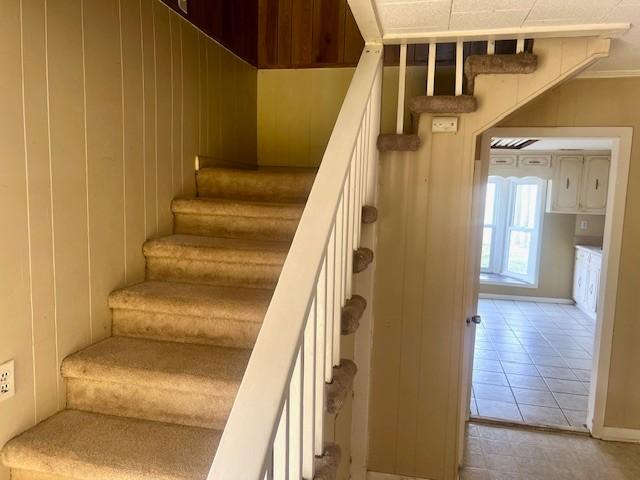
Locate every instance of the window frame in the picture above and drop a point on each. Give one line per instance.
(502, 226)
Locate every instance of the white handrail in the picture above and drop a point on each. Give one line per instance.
(276, 392)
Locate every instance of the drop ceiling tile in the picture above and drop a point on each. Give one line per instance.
(426, 15)
(571, 10)
(491, 5)
(480, 20)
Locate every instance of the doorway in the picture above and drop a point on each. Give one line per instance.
(549, 247)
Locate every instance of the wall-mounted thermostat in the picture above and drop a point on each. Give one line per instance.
(444, 124)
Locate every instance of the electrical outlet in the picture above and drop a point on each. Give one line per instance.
(7, 381)
(584, 225)
(444, 124)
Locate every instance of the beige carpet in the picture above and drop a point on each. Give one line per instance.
(152, 401)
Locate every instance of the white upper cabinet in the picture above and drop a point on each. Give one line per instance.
(595, 184)
(579, 184)
(566, 184)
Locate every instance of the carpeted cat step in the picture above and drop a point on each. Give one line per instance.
(326, 466)
(443, 104)
(369, 214)
(215, 261)
(395, 142)
(352, 313)
(183, 312)
(88, 446)
(217, 217)
(521, 63)
(341, 385)
(267, 184)
(180, 383)
(362, 257)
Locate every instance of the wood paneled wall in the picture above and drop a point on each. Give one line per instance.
(307, 33)
(104, 105)
(233, 23)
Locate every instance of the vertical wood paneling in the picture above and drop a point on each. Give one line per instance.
(164, 115)
(69, 176)
(39, 188)
(14, 243)
(133, 132)
(92, 155)
(302, 32)
(149, 95)
(103, 100)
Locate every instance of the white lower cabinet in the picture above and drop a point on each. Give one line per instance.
(586, 279)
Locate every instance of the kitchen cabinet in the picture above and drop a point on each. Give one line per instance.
(586, 278)
(579, 184)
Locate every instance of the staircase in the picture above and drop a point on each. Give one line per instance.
(152, 401)
(474, 65)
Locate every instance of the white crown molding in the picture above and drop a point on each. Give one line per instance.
(609, 74)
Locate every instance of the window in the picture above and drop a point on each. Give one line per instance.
(512, 228)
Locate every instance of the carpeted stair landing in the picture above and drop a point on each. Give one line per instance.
(151, 401)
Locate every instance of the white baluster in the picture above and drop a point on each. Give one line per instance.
(459, 67)
(431, 69)
(347, 256)
(321, 332)
(402, 72)
(491, 47)
(350, 224)
(520, 45)
(309, 395)
(331, 309)
(295, 418)
(281, 446)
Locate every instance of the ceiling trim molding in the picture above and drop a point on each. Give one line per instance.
(609, 74)
(603, 30)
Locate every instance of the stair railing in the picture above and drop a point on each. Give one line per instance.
(275, 429)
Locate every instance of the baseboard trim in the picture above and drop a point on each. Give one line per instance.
(524, 298)
(628, 435)
(390, 476)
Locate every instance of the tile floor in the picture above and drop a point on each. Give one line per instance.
(499, 453)
(532, 363)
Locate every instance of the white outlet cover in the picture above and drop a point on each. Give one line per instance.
(7, 380)
(444, 124)
(584, 225)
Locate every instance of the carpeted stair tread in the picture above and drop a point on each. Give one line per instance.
(369, 214)
(250, 304)
(180, 383)
(520, 63)
(443, 104)
(395, 142)
(228, 218)
(351, 314)
(326, 466)
(218, 249)
(177, 366)
(362, 258)
(342, 384)
(272, 184)
(89, 446)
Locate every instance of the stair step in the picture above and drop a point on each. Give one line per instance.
(394, 142)
(326, 466)
(170, 382)
(520, 63)
(443, 104)
(215, 261)
(342, 384)
(218, 217)
(88, 446)
(369, 214)
(270, 184)
(183, 312)
(362, 257)
(351, 314)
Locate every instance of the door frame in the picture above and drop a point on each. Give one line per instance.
(621, 138)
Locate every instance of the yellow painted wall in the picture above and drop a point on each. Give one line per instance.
(608, 102)
(89, 162)
(425, 282)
